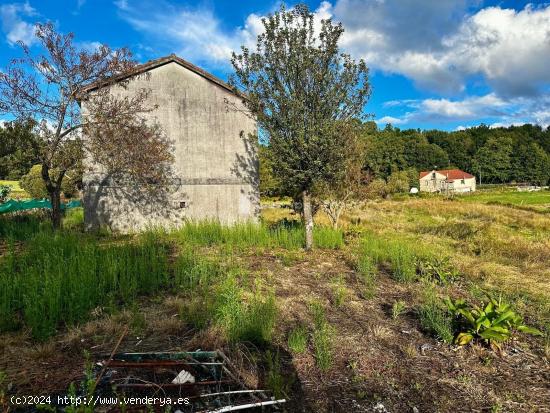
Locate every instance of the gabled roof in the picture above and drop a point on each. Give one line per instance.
(152, 64)
(449, 173)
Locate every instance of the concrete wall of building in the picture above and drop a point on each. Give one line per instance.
(439, 183)
(215, 173)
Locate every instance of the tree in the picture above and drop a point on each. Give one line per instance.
(492, 161)
(531, 164)
(19, 149)
(34, 185)
(269, 184)
(385, 153)
(299, 87)
(340, 195)
(48, 88)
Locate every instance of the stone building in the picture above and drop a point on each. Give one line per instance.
(215, 170)
(447, 181)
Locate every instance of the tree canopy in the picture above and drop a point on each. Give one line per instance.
(300, 88)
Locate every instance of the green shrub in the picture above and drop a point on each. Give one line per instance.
(34, 185)
(5, 191)
(494, 322)
(297, 340)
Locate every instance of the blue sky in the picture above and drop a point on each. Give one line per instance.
(444, 64)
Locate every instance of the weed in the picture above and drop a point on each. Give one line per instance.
(252, 321)
(323, 334)
(276, 380)
(297, 340)
(438, 270)
(434, 319)
(249, 234)
(398, 308)
(62, 277)
(339, 291)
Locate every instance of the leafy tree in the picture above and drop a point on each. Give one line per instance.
(270, 185)
(492, 162)
(531, 164)
(48, 88)
(385, 153)
(422, 155)
(19, 149)
(34, 185)
(300, 87)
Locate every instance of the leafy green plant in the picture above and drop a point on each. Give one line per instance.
(436, 269)
(494, 322)
(297, 340)
(5, 191)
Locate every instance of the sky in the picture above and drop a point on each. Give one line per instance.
(434, 64)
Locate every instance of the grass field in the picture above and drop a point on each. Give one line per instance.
(537, 201)
(16, 190)
(363, 316)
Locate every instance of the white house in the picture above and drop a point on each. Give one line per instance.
(447, 180)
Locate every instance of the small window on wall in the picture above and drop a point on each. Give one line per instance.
(182, 204)
(433, 175)
(462, 181)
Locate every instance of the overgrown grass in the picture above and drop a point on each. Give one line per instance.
(216, 297)
(297, 340)
(61, 277)
(323, 334)
(21, 227)
(249, 234)
(434, 317)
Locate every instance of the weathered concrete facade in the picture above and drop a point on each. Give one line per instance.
(215, 169)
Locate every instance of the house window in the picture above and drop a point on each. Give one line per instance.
(462, 181)
(433, 175)
(183, 204)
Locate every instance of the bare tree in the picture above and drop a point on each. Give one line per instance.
(349, 187)
(49, 87)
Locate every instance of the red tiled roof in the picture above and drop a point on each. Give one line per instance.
(449, 173)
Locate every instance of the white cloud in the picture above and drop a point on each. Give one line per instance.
(15, 28)
(390, 119)
(505, 111)
(439, 45)
(194, 33)
(197, 34)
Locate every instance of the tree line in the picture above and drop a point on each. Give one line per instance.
(519, 154)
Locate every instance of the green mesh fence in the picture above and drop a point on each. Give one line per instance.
(13, 206)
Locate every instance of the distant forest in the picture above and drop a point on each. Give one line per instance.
(498, 155)
(519, 154)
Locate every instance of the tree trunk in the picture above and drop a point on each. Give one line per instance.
(55, 199)
(308, 219)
